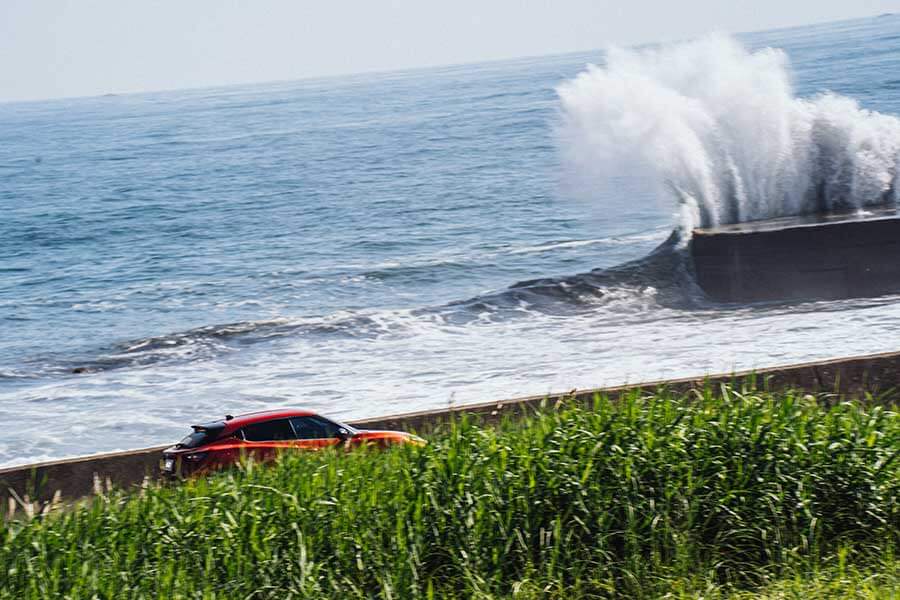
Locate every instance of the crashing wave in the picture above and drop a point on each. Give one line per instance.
(719, 129)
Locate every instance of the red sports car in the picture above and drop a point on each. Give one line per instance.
(262, 435)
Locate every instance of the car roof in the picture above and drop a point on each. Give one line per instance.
(239, 421)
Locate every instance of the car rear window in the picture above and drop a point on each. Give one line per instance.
(203, 434)
(196, 439)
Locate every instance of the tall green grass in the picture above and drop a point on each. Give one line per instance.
(726, 493)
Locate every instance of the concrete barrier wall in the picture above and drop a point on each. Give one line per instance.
(877, 375)
(808, 257)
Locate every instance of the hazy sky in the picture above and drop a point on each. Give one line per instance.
(54, 48)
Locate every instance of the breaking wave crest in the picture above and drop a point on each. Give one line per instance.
(719, 129)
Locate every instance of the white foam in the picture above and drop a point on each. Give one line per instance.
(719, 129)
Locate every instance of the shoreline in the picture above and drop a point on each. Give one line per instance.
(78, 477)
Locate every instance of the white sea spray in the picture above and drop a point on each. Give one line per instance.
(719, 129)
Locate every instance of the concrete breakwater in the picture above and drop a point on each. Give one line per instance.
(820, 256)
(854, 377)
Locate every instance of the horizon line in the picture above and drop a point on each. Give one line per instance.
(413, 69)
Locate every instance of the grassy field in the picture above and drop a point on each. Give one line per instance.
(714, 495)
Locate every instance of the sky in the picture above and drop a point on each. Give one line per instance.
(62, 48)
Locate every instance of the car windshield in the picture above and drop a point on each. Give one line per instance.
(350, 428)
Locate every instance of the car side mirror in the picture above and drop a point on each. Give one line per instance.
(343, 434)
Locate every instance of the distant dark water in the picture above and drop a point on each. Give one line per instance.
(354, 245)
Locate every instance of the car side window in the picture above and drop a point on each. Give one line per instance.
(269, 431)
(312, 428)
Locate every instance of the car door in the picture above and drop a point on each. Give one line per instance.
(265, 439)
(314, 432)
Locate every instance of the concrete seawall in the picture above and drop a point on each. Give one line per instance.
(821, 256)
(877, 374)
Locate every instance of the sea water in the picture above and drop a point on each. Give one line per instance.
(392, 242)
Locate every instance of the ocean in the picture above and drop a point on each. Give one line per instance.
(384, 243)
